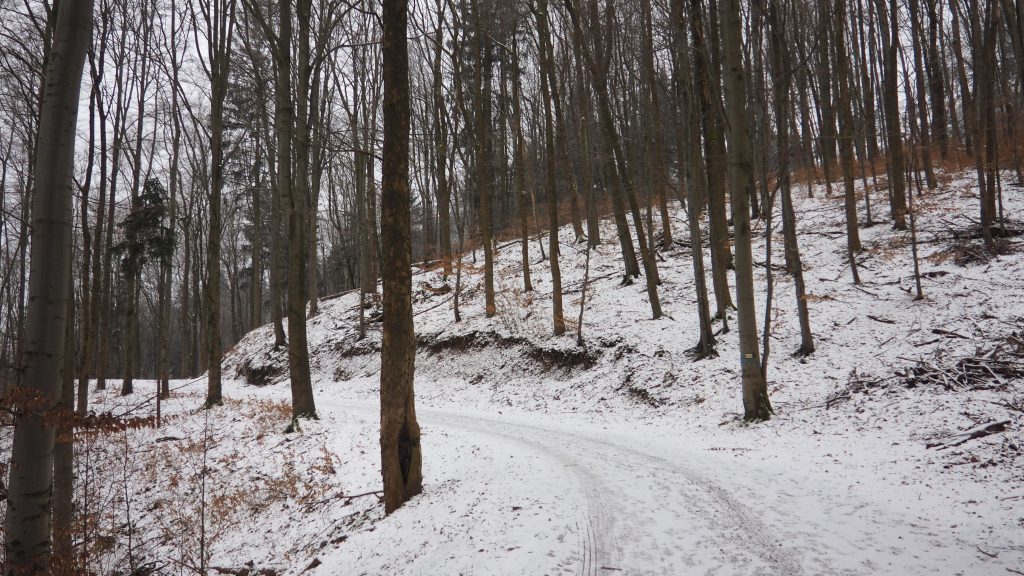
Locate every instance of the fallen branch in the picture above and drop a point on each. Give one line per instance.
(882, 320)
(950, 333)
(971, 434)
(244, 571)
(986, 553)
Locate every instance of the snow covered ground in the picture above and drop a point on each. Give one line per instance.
(624, 456)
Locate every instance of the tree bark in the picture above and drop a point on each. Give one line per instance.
(546, 87)
(27, 529)
(714, 155)
(64, 456)
(441, 150)
(520, 166)
(843, 78)
(782, 73)
(303, 405)
(691, 160)
(894, 134)
(756, 405)
(401, 460)
(221, 20)
(484, 180)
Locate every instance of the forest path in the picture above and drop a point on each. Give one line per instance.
(528, 495)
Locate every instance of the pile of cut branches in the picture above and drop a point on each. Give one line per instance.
(967, 249)
(990, 369)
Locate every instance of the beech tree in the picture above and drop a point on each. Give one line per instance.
(756, 405)
(401, 459)
(219, 19)
(548, 93)
(29, 497)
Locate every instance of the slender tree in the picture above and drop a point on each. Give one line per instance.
(783, 74)
(547, 79)
(484, 175)
(219, 19)
(844, 79)
(894, 133)
(756, 405)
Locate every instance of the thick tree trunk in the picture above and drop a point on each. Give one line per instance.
(303, 405)
(401, 460)
(27, 529)
(64, 457)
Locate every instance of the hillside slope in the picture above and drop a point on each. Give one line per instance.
(626, 455)
(881, 386)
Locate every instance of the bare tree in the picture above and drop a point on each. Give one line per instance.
(756, 405)
(547, 87)
(28, 529)
(401, 460)
(219, 19)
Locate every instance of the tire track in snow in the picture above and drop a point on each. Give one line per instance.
(607, 470)
(638, 513)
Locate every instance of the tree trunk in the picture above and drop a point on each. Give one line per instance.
(482, 51)
(843, 78)
(714, 147)
(782, 73)
(546, 88)
(654, 139)
(303, 405)
(756, 405)
(616, 157)
(64, 456)
(27, 529)
(521, 167)
(691, 159)
(221, 17)
(936, 85)
(894, 135)
(441, 150)
(401, 460)
(924, 141)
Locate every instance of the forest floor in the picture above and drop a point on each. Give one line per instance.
(623, 456)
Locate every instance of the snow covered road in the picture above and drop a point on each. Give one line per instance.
(528, 495)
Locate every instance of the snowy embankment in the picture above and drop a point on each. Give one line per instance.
(625, 455)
